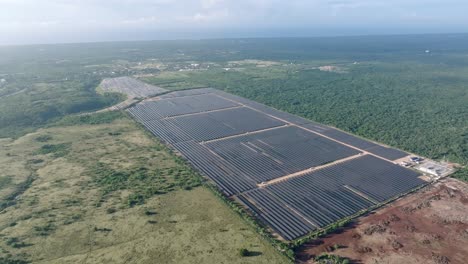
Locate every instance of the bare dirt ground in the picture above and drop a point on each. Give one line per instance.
(429, 226)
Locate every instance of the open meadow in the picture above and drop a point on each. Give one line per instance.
(109, 193)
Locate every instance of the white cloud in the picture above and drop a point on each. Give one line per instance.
(207, 4)
(202, 17)
(20, 17)
(152, 20)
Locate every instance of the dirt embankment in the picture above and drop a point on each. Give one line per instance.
(430, 226)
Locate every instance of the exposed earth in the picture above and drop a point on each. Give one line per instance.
(429, 226)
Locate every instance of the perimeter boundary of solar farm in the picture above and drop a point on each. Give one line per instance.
(139, 100)
(343, 222)
(282, 247)
(175, 134)
(286, 248)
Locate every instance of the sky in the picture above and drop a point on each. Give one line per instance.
(59, 21)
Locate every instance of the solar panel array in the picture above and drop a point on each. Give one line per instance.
(332, 193)
(379, 150)
(293, 174)
(219, 124)
(275, 153)
(130, 87)
(188, 105)
(228, 178)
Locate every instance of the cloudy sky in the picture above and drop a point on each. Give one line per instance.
(49, 21)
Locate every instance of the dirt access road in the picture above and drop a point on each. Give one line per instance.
(429, 226)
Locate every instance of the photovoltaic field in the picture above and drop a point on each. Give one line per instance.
(131, 87)
(295, 175)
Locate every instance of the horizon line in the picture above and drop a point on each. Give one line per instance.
(230, 38)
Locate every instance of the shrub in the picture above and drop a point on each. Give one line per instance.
(45, 230)
(461, 174)
(111, 210)
(43, 138)
(5, 181)
(9, 260)
(91, 119)
(135, 199)
(330, 259)
(244, 252)
(14, 242)
(58, 150)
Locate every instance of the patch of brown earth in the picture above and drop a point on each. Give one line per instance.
(429, 226)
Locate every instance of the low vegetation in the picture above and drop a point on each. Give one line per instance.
(144, 181)
(461, 174)
(326, 258)
(94, 119)
(121, 196)
(57, 150)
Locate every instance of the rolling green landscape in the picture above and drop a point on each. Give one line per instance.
(115, 194)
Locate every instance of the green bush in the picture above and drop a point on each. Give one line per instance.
(10, 260)
(144, 182)
(91, 119)
(135, 199)
(244, 252)
(57, 150)
(111, 210)
(461, 174)
(45, 230)
(14, 242)
(326, 258)
(5, 181)
(43, 138)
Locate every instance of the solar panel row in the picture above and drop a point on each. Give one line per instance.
(332, 193)
(278, 152)
(187, 93)
(379, 150)
(188, 105)
(230, 180)
(275, 214)
(297, 120)
(213, 125)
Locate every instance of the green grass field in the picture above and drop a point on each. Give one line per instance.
(69, 215)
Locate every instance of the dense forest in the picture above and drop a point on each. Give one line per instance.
(410, 92)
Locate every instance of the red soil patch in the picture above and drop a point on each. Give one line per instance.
(429, 226)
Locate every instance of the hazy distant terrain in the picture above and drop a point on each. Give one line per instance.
(406, 91)
(101, 179)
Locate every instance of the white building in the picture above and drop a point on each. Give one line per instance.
(430, 170)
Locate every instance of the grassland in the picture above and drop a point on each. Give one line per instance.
(142, 205)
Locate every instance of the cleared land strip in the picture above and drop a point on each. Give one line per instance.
(361, 194)
(299, 173)
(322, 135)
(243, 134)
(159, 98)
(294, 211)
(203, 112)
(291, 209)
(223, 159)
